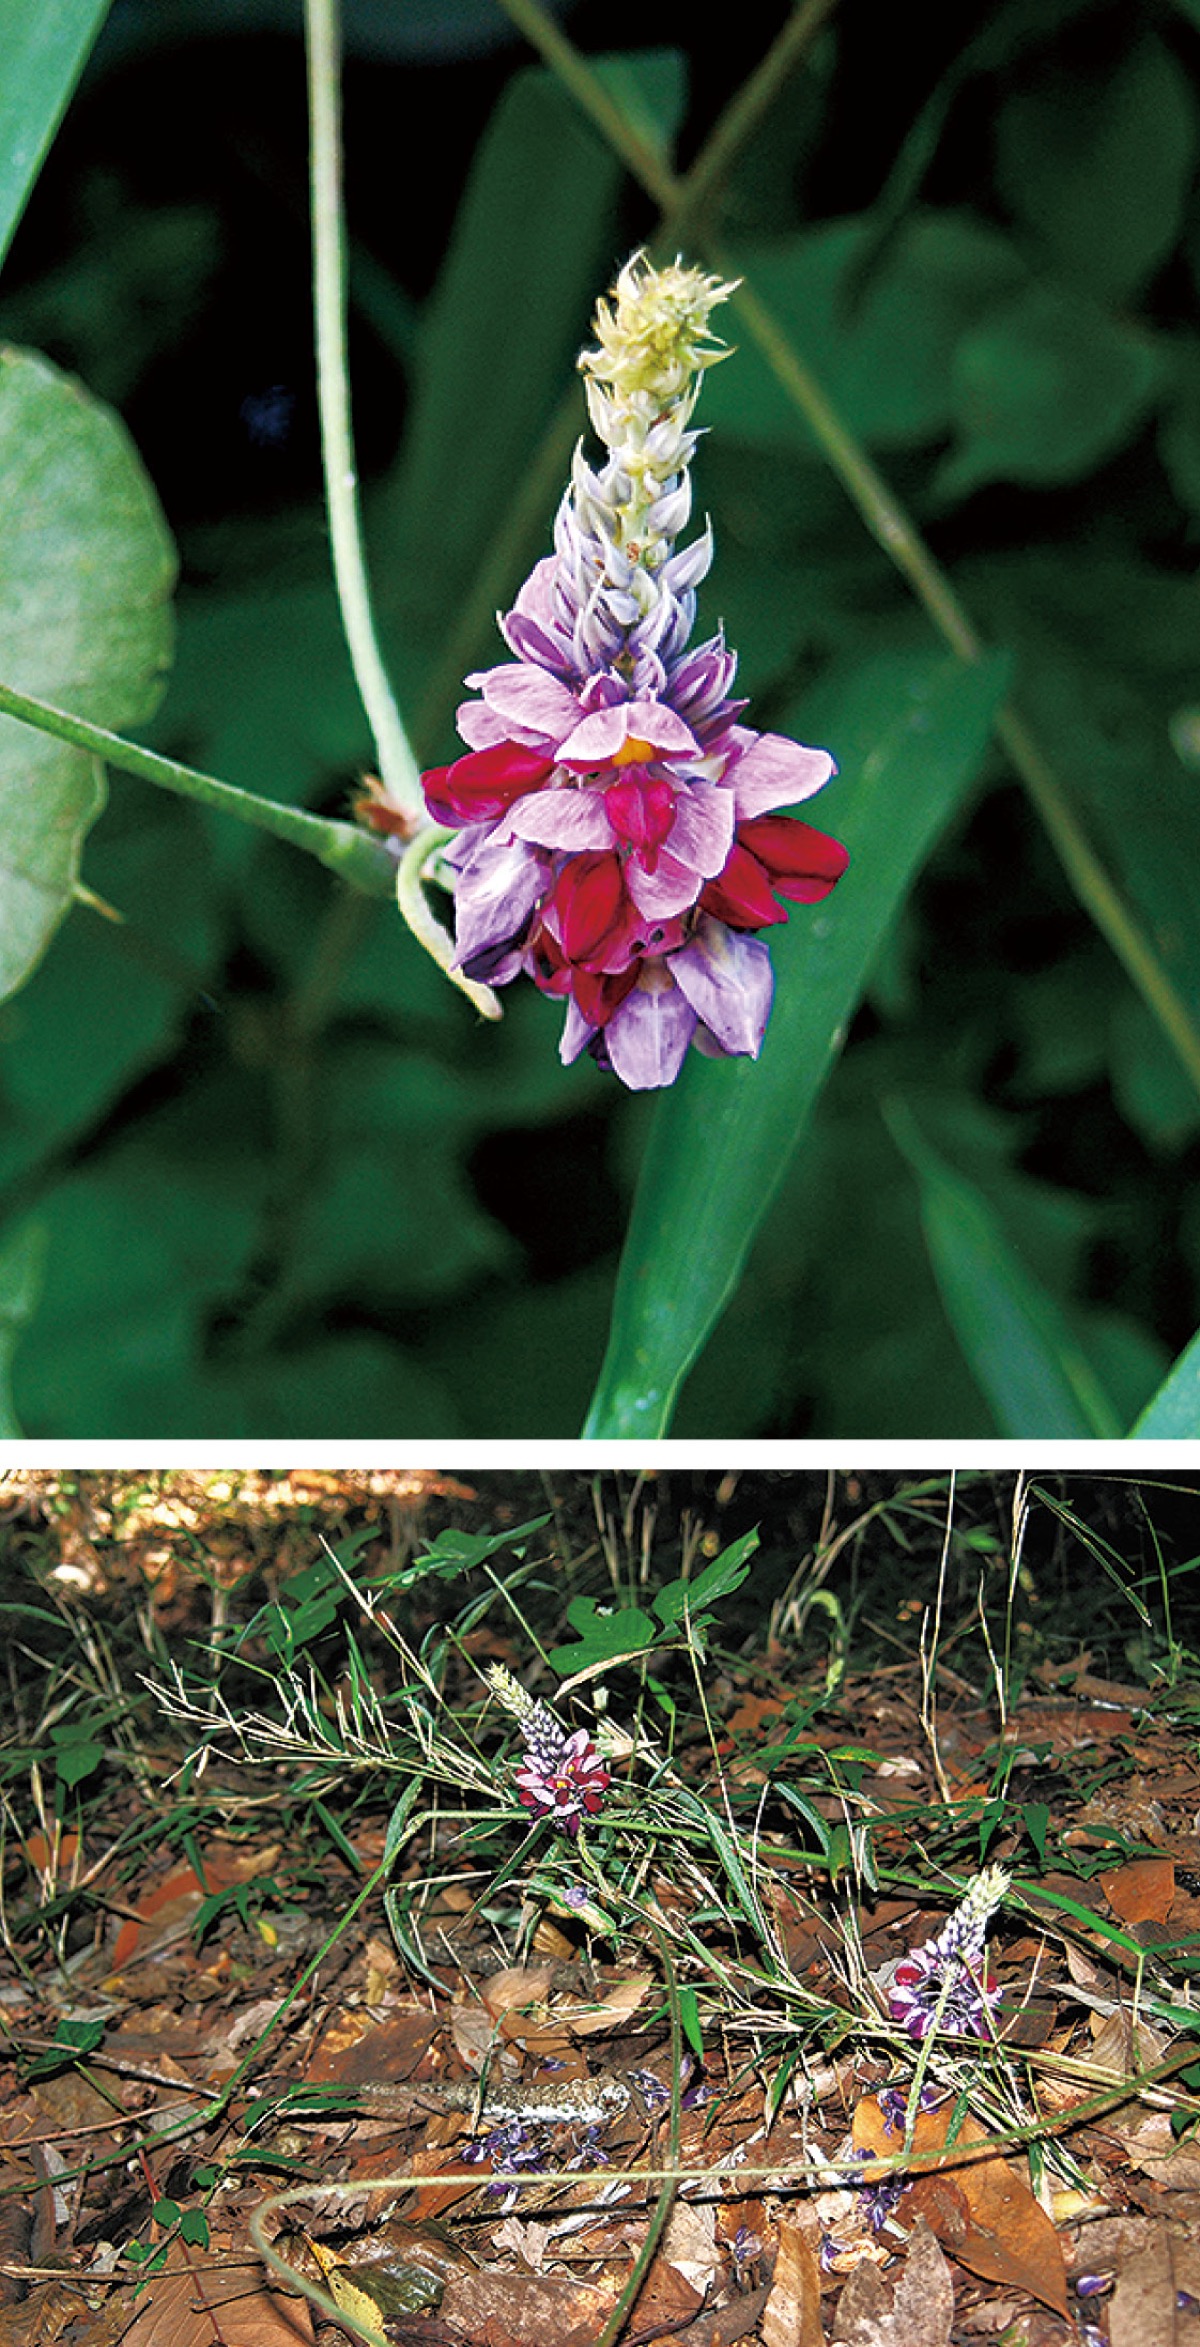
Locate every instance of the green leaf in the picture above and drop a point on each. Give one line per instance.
(22, 1259)
(71, 2040)
(1021, 1347)
(884, 360)
(1099, 164)
(75, 1754)
(689, 2014)
(1173, 1413)
(909, 731)
(455, 1551)
(84, 623)
(602, 1637)
(1046, 386)
(45, 45)
(1036, 1817)
(726, 1572)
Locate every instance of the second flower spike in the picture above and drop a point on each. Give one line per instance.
(620, 835)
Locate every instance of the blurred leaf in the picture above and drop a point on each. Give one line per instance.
(1105, 648)
(1173, 1413)
(134, 1266)
(392, 1213)
(1150, 1084)
(140, 978)
(46, 46)
(909, 731)
(129, 289)
(1179, 421)
(1099, 165)
(351, 1387)
(1046, 386)
(532, 241)
(84, 622)
(22, 1256)
(886, 361)
(1024, 1354)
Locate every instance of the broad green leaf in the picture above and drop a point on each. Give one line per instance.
(1021, 1347)
(909, 730)
(22, 1258)
(85, 575)
(1098, 164)
(1046, 386)
(885, 360)
(1173, 1413)
(44, 45)
(602, 1637)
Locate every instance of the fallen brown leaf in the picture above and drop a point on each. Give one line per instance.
(1144, 2309)
(1142, 1891)
(983, 2212)
(194, 2307)
(917, 2312)
(792, 2314)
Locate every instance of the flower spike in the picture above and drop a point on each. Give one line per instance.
(620, 839)
(944, 1983)
(561, 1776)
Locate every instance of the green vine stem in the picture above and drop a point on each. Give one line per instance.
(353, 854)
(880, 509)
(426, 928)
(397, 764)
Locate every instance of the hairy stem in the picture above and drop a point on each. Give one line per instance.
(356, 857)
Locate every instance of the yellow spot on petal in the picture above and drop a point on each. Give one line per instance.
(634, 752)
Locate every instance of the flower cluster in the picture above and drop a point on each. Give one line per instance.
(943, 1984)
(620, 837)
(561, 1776)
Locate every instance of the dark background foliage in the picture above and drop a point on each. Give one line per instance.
(290, 1185)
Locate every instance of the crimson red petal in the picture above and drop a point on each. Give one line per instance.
(483, 784)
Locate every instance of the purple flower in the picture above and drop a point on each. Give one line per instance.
(562, 1777)
(620, 833)
(944, 1984)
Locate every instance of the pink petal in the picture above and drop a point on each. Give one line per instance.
(567, 819)
(776, 772)
(669, 890)
(647, 1038)
(702, 834)
(479, 726)
(728, 982)
(536, 706)
(596, 740)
